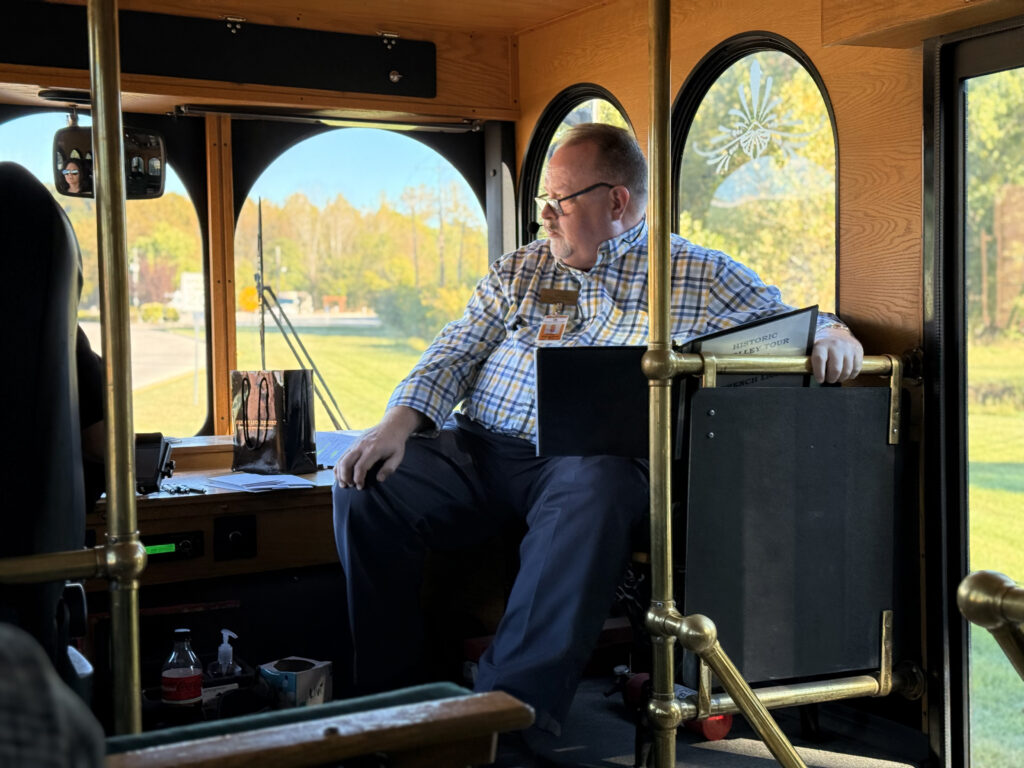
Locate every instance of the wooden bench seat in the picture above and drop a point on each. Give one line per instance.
(430, 725)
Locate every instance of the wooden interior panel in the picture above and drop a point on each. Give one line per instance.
(294, 528)
(876, 95)
(475, 80)
(905, 23)
(606, 45)
(221, 270)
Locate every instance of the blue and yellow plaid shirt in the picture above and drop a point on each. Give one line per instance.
(486, 358)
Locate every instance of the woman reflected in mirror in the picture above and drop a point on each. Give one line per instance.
(77, 177)
(72, 173)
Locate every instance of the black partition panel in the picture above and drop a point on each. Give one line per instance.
(791, 514)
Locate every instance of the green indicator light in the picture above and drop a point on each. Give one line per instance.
(160, 549)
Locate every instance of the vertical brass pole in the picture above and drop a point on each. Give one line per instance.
(108, 178)
(663, 711)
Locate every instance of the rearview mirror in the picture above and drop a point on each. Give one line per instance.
(144, 160)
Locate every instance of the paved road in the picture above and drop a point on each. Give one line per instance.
(156, 354)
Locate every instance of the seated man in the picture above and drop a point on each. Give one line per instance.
(425, 479)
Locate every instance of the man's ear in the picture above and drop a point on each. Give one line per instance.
(620, 201)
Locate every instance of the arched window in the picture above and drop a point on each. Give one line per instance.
(755, 165)
(371, 242)
(585, 103)
(166, 286)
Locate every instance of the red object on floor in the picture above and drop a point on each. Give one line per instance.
(713, 728)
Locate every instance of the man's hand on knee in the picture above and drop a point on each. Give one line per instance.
(382, 446)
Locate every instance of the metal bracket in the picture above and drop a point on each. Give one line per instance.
(885, 656)
(709, 378)
(389, 39)
(895, 390)
(703, 689)
(234, 23)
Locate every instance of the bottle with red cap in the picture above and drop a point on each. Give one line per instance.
(181, 681)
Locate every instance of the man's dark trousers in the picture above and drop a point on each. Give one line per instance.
(463, 487)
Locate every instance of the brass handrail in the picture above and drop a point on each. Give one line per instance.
(791, 695)
(995, 602)
(116, 560)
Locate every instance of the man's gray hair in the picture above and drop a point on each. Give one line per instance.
(621, 161)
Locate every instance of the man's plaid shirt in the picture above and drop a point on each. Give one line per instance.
(486, 358)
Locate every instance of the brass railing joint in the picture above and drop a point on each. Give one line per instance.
(995, 602)
(657, 363)
(664, 712)
(125, 557)
(908, 680)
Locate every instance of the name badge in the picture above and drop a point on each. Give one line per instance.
(552, 328)
(556, 296)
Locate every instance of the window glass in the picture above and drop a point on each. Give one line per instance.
(369, 254)
(590, 111)
(757, 178)
(166, 288)
(994, 283)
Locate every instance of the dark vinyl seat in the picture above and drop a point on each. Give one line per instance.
(43, 496)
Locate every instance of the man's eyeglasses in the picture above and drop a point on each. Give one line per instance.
(66, 172)
(556, 203)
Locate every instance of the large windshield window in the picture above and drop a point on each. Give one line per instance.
(371, 243)
(167, 293)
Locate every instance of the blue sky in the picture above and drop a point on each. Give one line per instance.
(362, 164)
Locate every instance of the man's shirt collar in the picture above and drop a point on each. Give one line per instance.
(615, 247)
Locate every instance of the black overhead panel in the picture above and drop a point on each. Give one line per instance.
(39, 34)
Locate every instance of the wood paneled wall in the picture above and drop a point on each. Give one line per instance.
(876, 95)
(475, 80)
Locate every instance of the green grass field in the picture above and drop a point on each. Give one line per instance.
(361, 369)
(996, 505)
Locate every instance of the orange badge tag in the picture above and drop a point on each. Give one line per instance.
(553, 328)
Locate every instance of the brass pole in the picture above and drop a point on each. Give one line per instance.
(108, 177)
(663, 709)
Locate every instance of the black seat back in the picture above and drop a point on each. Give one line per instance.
(793, 520)
(43, 497)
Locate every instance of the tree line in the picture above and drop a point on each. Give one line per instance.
(412, 261)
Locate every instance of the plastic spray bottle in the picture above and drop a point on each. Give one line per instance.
(225, 665)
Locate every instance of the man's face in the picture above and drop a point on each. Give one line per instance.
(588, 220)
